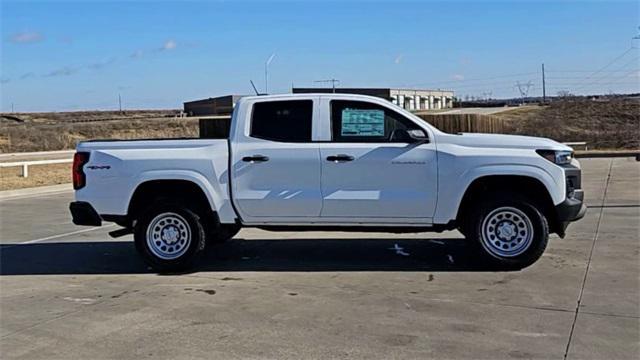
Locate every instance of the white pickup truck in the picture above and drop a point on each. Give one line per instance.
(329, 162)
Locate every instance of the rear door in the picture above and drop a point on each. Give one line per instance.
(367, 176)
(275, 164)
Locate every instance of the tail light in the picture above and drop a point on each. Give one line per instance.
(79, 178)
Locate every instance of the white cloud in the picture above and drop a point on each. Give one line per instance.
(458, 77)
(27, 75)
(398, 59)
(169, 45)
(64, 71)
(137, 54)
(99, 65)
(26, 37)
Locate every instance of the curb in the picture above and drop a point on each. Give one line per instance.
(34, 191)
(608, 154)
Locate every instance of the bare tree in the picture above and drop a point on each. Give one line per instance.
(564, 94)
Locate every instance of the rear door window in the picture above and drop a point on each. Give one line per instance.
(283, 121)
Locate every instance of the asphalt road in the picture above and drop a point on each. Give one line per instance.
(70, 292)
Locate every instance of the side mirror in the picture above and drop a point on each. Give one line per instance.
(409, 136)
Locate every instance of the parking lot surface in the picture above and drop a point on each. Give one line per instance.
(70, 292)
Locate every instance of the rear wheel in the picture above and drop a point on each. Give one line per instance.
(508, 232)
(169, 236)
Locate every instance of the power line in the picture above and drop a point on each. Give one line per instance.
(596, 81)
(332, 81)
(579, 71)
(609, 63)
(582, 77)
(472, 80)
(484, 85)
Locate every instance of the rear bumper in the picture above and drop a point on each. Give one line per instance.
(84, 214)
(572, 209)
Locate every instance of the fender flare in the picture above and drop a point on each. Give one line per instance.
(215, 198)
(555, 190)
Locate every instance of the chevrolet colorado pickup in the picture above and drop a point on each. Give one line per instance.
(329, 162)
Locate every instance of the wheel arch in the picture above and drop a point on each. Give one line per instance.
(530, 187)
(184, 190)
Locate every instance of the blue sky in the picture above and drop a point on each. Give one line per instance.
(157, 54)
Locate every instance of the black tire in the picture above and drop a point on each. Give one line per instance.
(184, 241)
(511, 242)
(223, 233)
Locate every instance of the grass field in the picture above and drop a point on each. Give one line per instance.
(613, 124)
(58, 131)
(39, 175)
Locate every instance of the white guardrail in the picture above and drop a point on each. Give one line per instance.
(577, 143)
(25, 164)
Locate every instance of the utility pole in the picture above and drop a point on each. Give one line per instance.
(119, 102)
(12, 108)
(332, 81)
(544, 87)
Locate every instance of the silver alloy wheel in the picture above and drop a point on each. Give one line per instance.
(168, 236)
(507, 232)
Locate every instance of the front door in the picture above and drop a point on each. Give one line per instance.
(369, 174)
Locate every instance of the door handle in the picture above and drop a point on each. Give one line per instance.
(340, 158)
(255, 158)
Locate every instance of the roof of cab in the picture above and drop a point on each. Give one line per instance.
(308, 95)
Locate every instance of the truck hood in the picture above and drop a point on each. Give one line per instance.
(503, 141)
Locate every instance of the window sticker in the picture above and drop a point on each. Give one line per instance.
(359, 122)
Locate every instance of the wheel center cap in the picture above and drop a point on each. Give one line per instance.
(170, 234)
(506, 231)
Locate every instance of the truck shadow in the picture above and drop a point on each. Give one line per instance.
(120, 257)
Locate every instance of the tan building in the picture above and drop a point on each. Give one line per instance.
(410, 99)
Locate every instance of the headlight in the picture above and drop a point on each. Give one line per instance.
(561, 157)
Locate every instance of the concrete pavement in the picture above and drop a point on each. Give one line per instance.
(72, 292)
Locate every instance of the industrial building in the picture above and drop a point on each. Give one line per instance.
(222, 105)
(410, 99)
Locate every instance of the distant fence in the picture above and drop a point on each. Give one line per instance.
(473, 123)
(217, 127)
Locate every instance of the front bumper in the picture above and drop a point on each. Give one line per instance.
(84, 214)
(572, 209)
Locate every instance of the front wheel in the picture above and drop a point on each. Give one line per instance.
(169, 237)
(508, 232)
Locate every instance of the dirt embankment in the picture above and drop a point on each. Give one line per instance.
(57, 131)
(603, 124)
